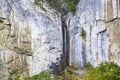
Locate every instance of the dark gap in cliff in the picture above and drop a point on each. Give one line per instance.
(112, 20)
(65, 41)
(64, 59)
(57, 68)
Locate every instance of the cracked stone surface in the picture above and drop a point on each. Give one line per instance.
(29, 38)
(101, 21)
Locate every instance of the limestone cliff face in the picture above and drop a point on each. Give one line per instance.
(30, 37)
(100, 20)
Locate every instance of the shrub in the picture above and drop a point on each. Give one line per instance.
(52, 3)
(69, 74)
(83, 33)
(14, 75)
(45, 75)
(104, 71)
(88, 66)
(71, 4)
(39, 4)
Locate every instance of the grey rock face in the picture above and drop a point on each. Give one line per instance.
(101, 21)
(30, 38)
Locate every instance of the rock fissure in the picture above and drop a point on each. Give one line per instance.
(111, 20)
(65, 41)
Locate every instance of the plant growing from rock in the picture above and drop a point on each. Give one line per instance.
(14, 75)
(83, 33)
(71, 4)
(39, 4)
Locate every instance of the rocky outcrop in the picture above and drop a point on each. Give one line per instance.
(29, 40)
(36, 38)
(100, 19)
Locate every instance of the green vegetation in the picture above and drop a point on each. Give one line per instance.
(52, 3)
(71, 4)
(104, 71)
(14, 75)
(39, 4)
(88, 66)
(68, 74)
(83, 33)
(45, 75)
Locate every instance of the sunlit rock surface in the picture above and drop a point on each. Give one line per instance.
(101, 21)
(30, 38)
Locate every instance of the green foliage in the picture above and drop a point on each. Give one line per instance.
(45, 75)
(105, 71)
(68, 74)
(85, 69)
(39, 4)
(83, 33)
(71, 4)
(14, 75)
(88, 66)
(52, 3)
(73, 66)
(36, 2)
